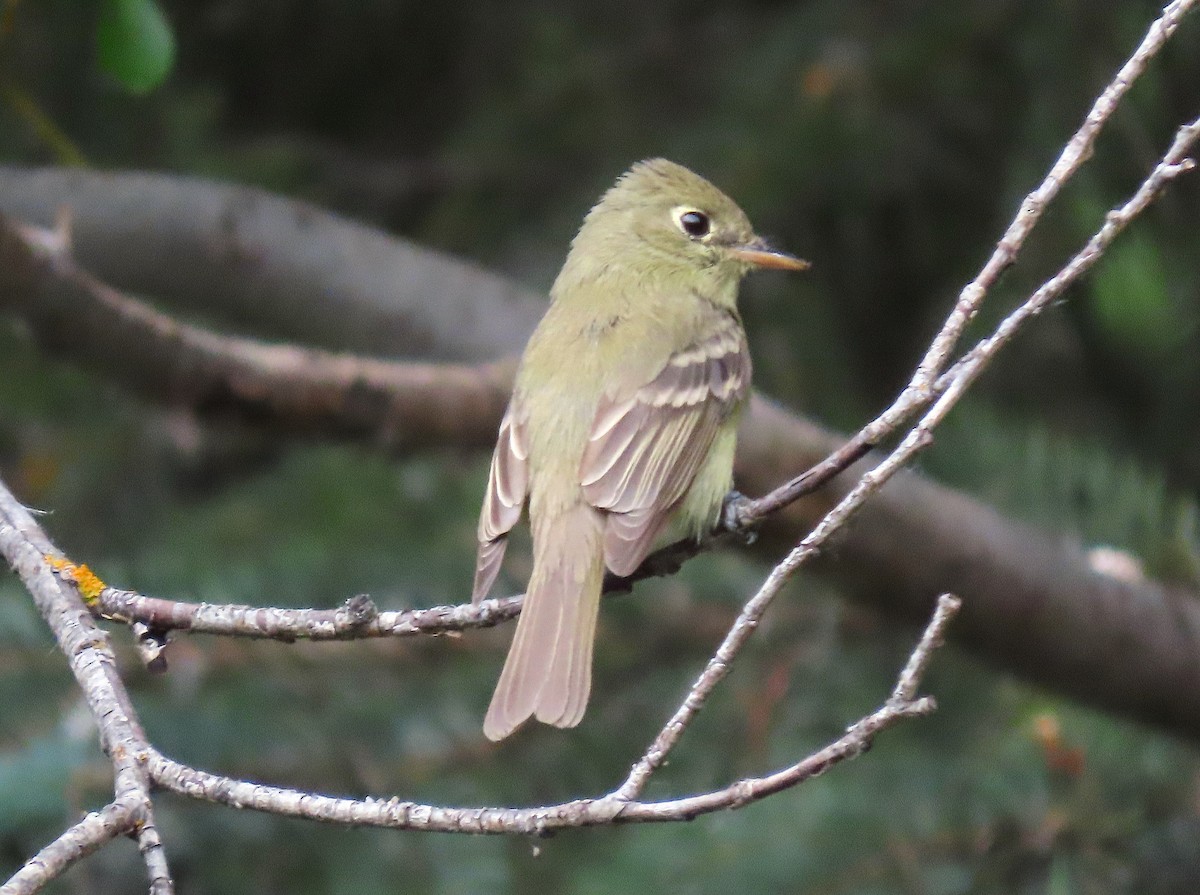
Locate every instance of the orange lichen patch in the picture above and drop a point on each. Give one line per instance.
(85, 580)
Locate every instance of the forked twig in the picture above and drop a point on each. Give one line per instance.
(936, 386)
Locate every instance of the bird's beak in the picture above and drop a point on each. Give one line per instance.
(758, 253)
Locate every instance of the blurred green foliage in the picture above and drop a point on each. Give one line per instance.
(134, 43)
(889, 143)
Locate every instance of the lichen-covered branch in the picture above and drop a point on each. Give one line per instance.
(138, 765)
(28, 551)
(1037, 608)
(1011, 574)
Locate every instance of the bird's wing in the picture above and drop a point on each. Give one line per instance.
(645, 448)
(508, 485)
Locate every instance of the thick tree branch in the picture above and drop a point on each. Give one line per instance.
(966, 558)
(275, 265)
(1061, 620)
(399, 406)
(998, 564)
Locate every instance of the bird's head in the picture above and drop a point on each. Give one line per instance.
(661, 217)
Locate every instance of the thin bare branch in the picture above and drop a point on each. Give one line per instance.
(27, 549)
(358, 618)
(910, 678)
(921, 389)
(617, 807)
(1077, 151)
(917, 439)
(1173, 164)
(253, 375)
(77, 842)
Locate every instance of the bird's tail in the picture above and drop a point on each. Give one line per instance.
(548, 672)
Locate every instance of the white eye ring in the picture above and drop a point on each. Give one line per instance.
(694, 223)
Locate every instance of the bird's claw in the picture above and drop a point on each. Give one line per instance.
(733, 516)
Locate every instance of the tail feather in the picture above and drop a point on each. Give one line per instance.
(548, 672)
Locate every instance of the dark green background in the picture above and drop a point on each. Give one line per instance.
(889, 142)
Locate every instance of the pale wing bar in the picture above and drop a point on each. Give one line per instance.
(645, 449)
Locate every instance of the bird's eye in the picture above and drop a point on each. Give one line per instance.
(695, 224)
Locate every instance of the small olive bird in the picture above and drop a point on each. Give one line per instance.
(623, 418)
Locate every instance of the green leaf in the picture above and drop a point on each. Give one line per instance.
(135, 43)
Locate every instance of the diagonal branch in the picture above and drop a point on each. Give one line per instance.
(1010, 573)
(76, 843)
(1077, 151)
(948, 393)
(37, 259)
(921, 389)
(139, 765)
(26, 548)
(1174, 163)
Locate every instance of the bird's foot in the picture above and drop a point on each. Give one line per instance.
(734, 516)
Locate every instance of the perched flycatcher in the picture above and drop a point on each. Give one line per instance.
(623, 419)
